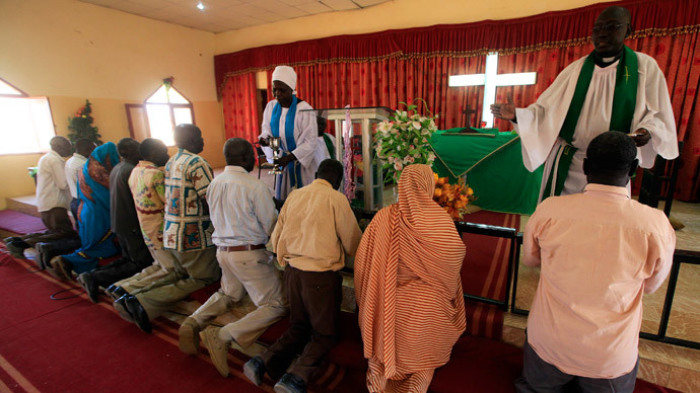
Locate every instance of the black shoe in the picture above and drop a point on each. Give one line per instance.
(138, 313)
(92, 289)
(290, 383)
(11, 239)
(254, 370)
(120, 306)
(45, 253)
(16, 248)
(116, 291)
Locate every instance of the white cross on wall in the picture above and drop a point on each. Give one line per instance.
(490, 80)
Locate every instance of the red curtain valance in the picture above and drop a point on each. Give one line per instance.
(552, 29)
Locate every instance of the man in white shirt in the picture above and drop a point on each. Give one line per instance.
(52, 197)
(613, 88)
(243, 215)
(83, 148)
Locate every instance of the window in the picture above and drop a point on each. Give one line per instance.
(27, 124)
(165, 109)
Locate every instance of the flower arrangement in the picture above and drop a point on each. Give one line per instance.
(454, 198)
(404, 139)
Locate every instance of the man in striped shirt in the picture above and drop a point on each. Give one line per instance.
(243, 215)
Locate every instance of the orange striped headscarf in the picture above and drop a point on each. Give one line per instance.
(408, 287)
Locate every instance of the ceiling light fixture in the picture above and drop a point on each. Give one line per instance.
(200, 6)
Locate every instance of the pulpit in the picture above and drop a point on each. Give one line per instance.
(367, 174)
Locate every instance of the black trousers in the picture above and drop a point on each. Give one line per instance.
(314, 313)
(542, 377)
(74, 205)
(58, 227)
(135, 257)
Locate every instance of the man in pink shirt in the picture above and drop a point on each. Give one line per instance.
(599, 253)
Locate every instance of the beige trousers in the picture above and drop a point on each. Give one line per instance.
(251, 272)
(194, 269)
(161, 272)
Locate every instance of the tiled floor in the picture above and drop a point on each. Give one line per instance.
(667, 365)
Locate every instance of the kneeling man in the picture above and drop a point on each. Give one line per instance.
(243, 214)
(315, 230)
(600, 252)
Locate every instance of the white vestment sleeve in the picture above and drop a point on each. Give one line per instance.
(540, 123)
(266, 130)
(321, 150)
(655, 115)
(306, 136)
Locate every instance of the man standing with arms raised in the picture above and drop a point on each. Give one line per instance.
(614, 88)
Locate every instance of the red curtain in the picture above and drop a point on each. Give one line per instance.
(239, 101)
(391, 82)
(385, 69)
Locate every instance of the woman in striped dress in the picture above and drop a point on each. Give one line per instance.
(408, 287)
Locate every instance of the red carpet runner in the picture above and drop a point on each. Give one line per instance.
(20, 223)
(73, 345)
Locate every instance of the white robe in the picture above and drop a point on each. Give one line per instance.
(305, 136)
(539, 124)
(322, 152)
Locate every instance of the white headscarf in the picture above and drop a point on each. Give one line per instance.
(286, 75)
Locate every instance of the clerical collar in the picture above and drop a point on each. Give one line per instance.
(603, 62)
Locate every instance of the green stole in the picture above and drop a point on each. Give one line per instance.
(329, 145)
(624, 102)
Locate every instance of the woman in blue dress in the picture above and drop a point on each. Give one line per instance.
(96, 237)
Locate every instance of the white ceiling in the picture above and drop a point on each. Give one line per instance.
(223, 15)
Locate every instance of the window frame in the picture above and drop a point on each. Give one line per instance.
(24, 95)
(171, 108)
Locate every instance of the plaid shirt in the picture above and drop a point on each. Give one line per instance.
(187, 224)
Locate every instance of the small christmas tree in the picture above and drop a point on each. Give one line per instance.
(80, 125)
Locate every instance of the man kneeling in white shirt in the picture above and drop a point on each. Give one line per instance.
(53, 199)
(243, 215)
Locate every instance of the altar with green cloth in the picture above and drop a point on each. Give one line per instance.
(493, 164)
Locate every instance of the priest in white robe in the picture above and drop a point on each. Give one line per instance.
(326, 142)
(294, 122)
(593, 95)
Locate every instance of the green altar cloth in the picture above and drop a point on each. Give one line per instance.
(493, 164)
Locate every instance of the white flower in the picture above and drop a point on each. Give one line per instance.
(416, 125)
(398, 166)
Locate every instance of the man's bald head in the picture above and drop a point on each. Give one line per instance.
(61, 145)
(616, 11)
(239, 152)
